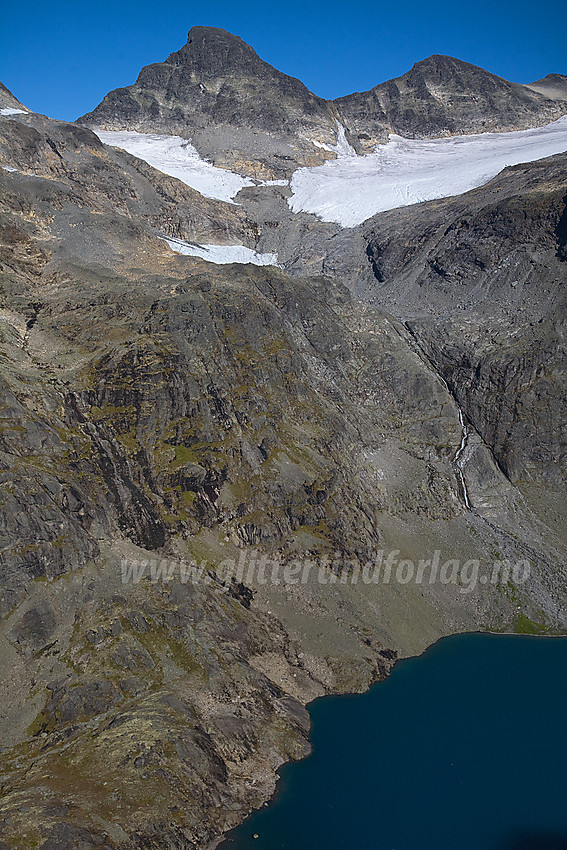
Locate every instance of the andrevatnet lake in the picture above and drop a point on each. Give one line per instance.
(462, 748)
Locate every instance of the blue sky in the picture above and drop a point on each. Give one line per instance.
(62, 58)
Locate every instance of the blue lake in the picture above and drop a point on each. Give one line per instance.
(463, 748)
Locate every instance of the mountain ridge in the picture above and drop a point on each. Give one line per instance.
(217, 90)
(244, 114)
(552, 85)
(441, 95)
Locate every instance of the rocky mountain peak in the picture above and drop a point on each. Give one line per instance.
(244, 114)
(214, 52)
(560, 79)
(217, 91)
(456, 76)
(553, 86)
(213, 57)
(442, 64)
(441, 95)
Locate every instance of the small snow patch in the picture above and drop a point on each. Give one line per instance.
(343, 148)
(9, 110)
(177, 157)
(222, 254)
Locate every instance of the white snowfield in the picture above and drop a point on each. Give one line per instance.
(350, 189)
(223, 254)
(177, 157)
(9, 110)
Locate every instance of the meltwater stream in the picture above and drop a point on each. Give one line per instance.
(463, 748)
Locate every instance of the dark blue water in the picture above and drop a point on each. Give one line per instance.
(464, 748)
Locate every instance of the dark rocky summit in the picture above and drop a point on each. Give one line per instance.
(399, 386)
(443, 96)
(215, 78)
(218, 91)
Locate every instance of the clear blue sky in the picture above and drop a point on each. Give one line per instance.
(62, 58)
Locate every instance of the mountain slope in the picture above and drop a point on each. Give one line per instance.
(442, 96)
(8, 102)
(481, 281)
(203, 465)
(161, 410)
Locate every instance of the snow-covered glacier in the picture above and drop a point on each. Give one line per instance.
(350, 189)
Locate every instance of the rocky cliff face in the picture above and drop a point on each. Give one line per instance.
(397, 387)
(497, 257)
(8, 101)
